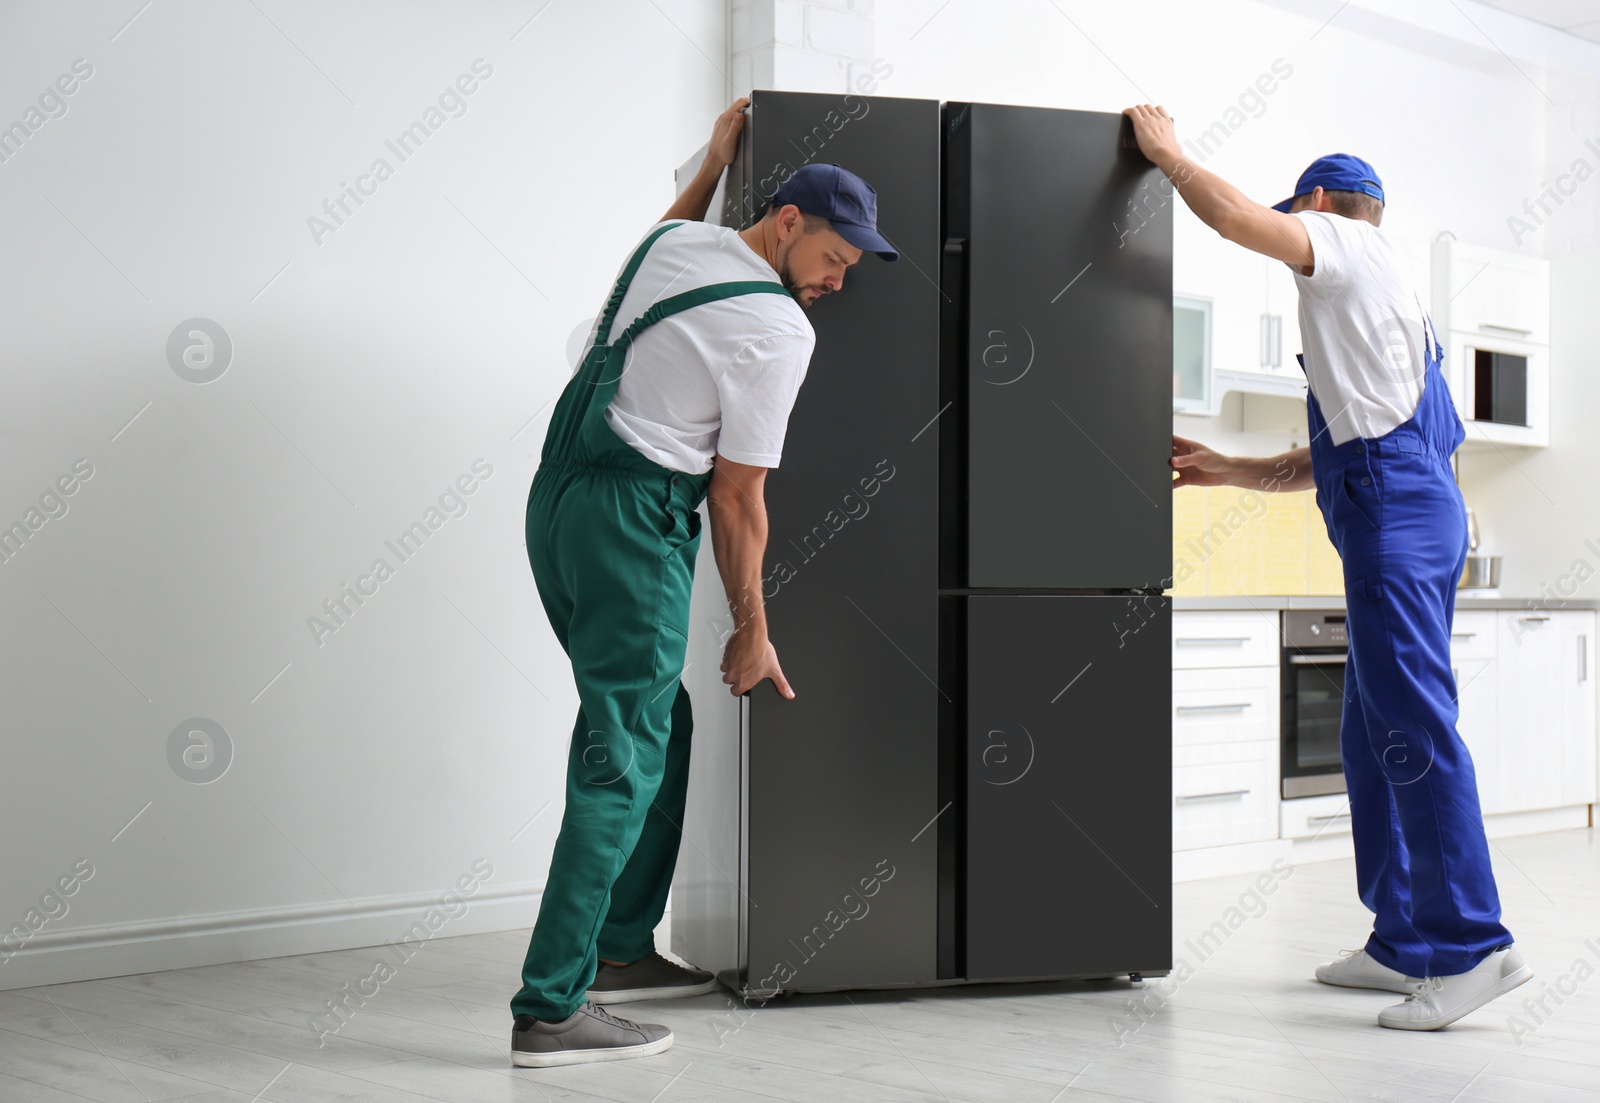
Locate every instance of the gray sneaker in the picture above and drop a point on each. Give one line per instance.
(589, 1034)
(649, 978)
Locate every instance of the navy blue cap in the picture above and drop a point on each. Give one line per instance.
(843, 198)
(1336, 172)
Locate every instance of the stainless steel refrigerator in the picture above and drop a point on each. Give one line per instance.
(970, 535)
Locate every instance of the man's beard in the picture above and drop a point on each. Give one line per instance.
(787, 278)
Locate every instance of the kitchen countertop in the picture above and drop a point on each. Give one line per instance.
(1324, 601)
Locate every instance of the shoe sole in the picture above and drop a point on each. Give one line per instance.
(1502, 986)
(1400, 989)
(632, 995)
(532, 1060)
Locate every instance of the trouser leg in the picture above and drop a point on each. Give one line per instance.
(1401, 570)
(624, 662)
(639, 897)
(1382, 878)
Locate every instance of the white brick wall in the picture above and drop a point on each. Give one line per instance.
(838, 32)
(799, 45)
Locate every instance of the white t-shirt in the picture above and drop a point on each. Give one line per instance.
(1361, 327)
(716, 378)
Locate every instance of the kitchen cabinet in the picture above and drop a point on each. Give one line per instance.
(1477, 695)
(1224, 793)
(1225, 698)
(1545, 746)
(1279, 324)
(1575, 648)
(1309, 818)
(1191, 355)
(1491, 310)
(1474, 642)
(1528, 759)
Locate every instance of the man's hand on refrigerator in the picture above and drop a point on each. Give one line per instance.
(749, 659)
(1154, 130)
(1198, 465)
(725, 134)
(695, 199)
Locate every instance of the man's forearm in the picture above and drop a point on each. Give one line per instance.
(739, 540)
(1286, 472)
(695, 200)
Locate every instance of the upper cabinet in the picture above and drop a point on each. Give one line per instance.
(1492, 313)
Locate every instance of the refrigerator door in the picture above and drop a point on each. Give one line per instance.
(840, 892)
(1068, 786)
(1064, 369)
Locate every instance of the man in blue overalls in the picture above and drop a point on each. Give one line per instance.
(1383, 429)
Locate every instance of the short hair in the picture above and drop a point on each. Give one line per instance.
(1356, 204)
(811, 222)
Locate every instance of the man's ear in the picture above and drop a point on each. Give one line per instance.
(790, 221)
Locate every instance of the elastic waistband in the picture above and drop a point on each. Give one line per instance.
(681, 484)
(1400, 441)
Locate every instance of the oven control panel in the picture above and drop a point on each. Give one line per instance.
(1314, 628)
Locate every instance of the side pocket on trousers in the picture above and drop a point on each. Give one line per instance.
(1363, 500)
(683, 530)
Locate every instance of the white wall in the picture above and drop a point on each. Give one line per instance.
(369, 372)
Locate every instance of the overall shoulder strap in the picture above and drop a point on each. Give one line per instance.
(609, 314)
(710, 293)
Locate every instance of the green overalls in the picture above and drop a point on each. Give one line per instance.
(612, 538)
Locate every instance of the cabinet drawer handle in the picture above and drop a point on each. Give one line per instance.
(1583, 657)
(1535, 616)
(1505, 329)
(1328, 819)
(1462, 635)
(1210, 641)
(1184, 710)
(1231, 794)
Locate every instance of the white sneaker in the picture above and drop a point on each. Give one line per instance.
(1440, 1001)
(1356, 969)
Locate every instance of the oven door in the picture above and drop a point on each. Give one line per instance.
(1313, 704)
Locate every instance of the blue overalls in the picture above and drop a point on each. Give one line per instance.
(1396, 516)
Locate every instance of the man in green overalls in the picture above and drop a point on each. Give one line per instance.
(683, 395)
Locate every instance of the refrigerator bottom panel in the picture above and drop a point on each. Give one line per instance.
(1068, 759)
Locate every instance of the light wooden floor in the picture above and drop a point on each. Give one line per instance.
(1249, 1024)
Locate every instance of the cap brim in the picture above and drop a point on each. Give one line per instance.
(866, 238)
(1285, 205)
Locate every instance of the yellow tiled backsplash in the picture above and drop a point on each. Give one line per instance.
(1231, 541)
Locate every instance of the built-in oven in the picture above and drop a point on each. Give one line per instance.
(1315, 650)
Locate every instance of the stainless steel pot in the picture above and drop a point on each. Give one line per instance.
(1482, 573)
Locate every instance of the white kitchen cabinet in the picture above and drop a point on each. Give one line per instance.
(1224, 794)
(1477, 694)
(1474, 644)
(1576, 637)
(1280, 306)
(1311, 818)
(1225, 698)
(1231, 638)
(1495, 305)
(1230, 705)
(1545, 710)
(1491, 291)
